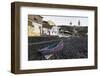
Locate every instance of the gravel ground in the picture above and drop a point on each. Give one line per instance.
(74, 48)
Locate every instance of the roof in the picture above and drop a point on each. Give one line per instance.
(51, 23)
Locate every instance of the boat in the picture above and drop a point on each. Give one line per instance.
(52, 49)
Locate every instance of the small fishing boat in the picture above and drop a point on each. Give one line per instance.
(52, 49)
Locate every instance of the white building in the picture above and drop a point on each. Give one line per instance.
(54, 31)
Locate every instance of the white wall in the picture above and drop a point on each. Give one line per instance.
(5, 42)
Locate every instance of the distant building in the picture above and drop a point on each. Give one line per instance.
(54, 31)
(49, 28)
(34, 25)
(66, 30)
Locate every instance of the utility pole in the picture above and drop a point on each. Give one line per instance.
(70, 23)
(79, 22)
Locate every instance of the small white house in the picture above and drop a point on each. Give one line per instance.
(54, 31)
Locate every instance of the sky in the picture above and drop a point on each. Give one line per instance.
(65, 20)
